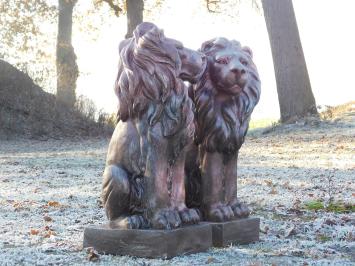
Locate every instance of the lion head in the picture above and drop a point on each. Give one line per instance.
(151, 70)
(225, 96)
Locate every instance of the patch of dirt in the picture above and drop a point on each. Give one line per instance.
(49, 192)
(27, 110)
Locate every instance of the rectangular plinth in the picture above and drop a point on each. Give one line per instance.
(242, 231)
(149, 243)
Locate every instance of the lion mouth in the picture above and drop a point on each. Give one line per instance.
(233, 90)
(195, 78)
(236, 89)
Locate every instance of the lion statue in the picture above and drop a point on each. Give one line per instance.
(225, 97)
(143, 182)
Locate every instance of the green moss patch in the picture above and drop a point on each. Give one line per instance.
(338, 207)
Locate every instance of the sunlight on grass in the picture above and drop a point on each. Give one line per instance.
(262, 123)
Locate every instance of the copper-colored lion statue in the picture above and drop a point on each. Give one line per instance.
(225, 97)
(143, 182)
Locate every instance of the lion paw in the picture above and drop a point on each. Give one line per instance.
(240, 210)
(220, 213)
(130, 222)
(189, 216)
(166, 219)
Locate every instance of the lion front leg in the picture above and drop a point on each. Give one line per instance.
(178, 193)
(156, 200)
(240, 210)
(213, 203)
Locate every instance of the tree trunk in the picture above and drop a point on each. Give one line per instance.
(293, 86)
(67, 69)
(134, 15)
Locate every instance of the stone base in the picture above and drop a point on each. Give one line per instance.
(242, 231)
(149, 243)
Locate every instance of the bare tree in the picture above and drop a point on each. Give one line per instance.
(134, 10)
(293, 85)
(134, 15)
(67, 69)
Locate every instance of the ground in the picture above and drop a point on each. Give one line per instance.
(289, 175)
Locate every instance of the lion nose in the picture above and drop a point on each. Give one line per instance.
(238, 70)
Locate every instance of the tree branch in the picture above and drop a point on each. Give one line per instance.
(115, 8)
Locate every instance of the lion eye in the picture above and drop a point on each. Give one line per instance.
(223, 60)
(244, 62)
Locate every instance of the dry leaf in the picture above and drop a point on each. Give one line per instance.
(53, 203)
(34, 232)
(49, 233)
(290, 231)
(47, 218)
(273, 191)
(212, 260)
(286, 185)
(92, 254)
(264, 229)
(268, 182)
(330, 222)
(346, 219)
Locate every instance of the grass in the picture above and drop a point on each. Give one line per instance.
(334, 111)
(314, 205)
(330, 113)
(337, 207)
(262, 123)
(323, 238)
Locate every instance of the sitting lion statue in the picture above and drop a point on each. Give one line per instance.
(143, 182)
(225, 97)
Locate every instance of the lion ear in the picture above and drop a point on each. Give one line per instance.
(248, 51)
(206, 46)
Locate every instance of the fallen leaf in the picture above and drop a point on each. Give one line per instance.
(290, 231)
(286, 185)
(264, 229)
(49, 233)
(53, 203)
(212, 260)
(268, 182)
(330, 222)
(346, 219)
(34, 232)
(47, 218)
(92, 254)
(273, 191)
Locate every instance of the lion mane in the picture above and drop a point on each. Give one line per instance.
(147, 81)
(221, 127)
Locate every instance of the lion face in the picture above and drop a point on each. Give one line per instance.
(229, 64)
(193, 64)
(225, 96)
